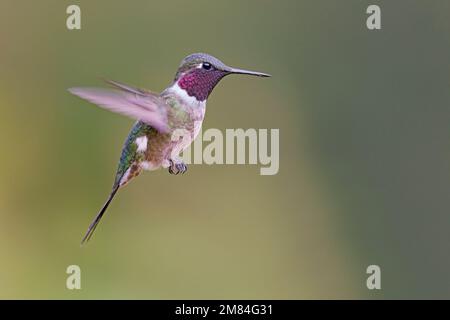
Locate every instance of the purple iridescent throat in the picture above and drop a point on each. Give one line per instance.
(199, 83)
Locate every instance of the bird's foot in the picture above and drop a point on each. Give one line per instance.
(177, 167)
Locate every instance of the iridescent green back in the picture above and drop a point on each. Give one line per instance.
(129, 154)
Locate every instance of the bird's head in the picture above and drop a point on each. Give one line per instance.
(199, 73)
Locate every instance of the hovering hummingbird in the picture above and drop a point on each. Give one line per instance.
(182, 105)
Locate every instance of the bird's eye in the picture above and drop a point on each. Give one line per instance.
(206, 65)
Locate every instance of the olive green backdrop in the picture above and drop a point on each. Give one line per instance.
(364, 152)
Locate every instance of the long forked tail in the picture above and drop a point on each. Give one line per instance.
(96, 220)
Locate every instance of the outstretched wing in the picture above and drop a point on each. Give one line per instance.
(134, 103)
(124, 87)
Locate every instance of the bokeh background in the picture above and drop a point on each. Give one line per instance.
(364, 152)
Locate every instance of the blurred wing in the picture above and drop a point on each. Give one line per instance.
(134, 103)
(127, 88)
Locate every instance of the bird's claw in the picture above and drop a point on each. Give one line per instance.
(177, 167)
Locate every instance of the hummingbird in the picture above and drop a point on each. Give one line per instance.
(181, 106)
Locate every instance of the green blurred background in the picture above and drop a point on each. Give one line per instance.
(364, 152)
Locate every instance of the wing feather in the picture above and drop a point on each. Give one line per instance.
(125, 87)
(128, 101)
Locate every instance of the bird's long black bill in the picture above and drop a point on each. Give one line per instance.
(248, 72)
(96, 220)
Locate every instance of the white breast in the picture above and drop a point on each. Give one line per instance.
(196, 110)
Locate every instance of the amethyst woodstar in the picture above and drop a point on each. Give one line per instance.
(182, 105)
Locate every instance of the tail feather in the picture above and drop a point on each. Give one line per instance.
(96, 220)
